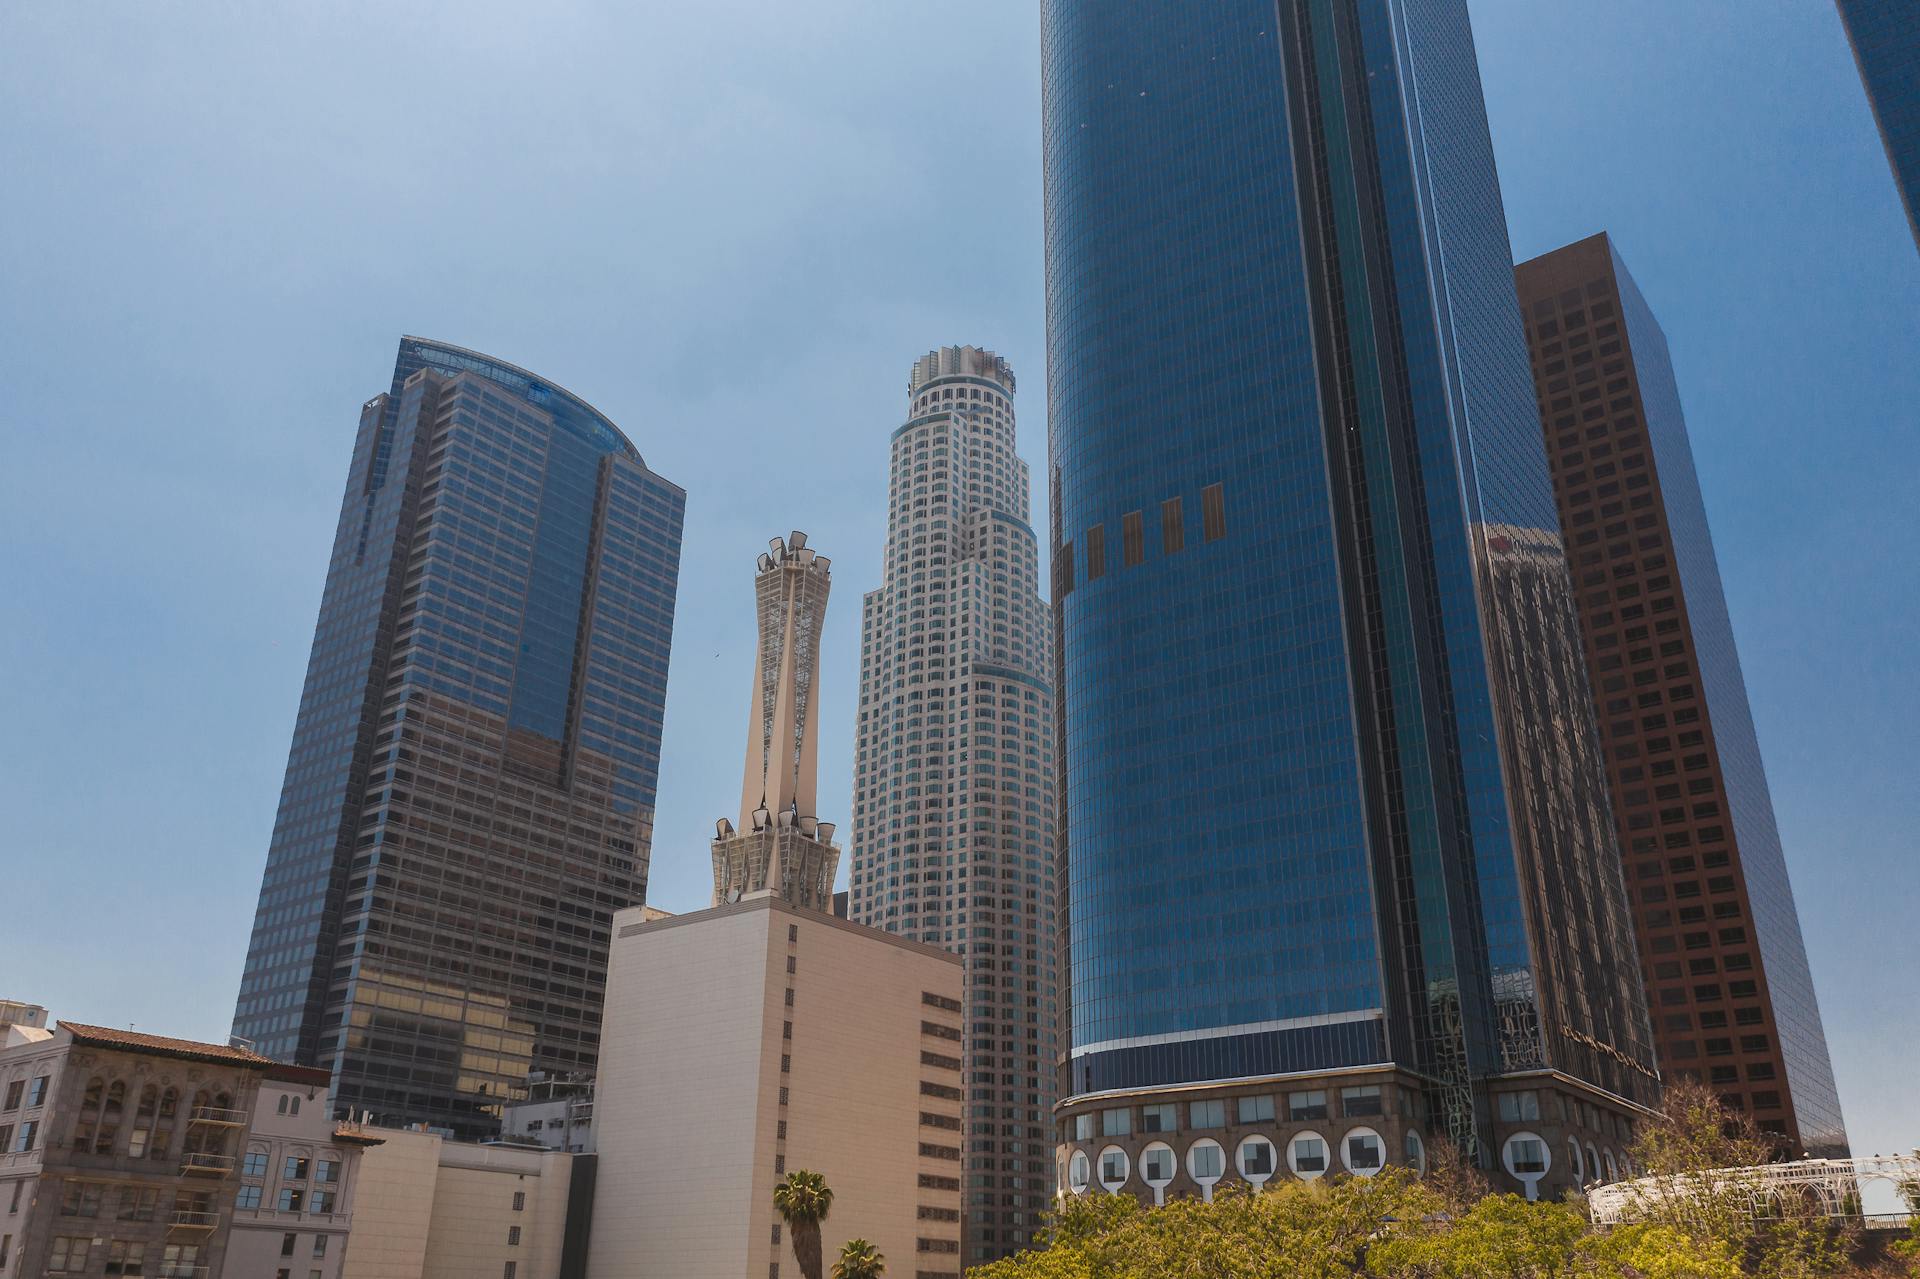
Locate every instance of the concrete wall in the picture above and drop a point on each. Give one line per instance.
(430, 1209)
(688, 1109)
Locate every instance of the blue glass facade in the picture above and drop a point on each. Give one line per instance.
(1885, 35)
(1332, 795)
(469, 795)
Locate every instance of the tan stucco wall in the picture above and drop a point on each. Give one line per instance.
(687, 1107)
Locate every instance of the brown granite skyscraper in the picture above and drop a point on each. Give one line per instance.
(1719, 937)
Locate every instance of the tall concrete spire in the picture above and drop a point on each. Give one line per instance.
(780, 845)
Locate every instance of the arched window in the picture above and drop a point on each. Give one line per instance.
(143, 1121)
(89, 1121)
(295, 1108)
(281, 1109)
(163, 1125)
(110, 1118)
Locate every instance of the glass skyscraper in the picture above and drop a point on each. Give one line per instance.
(470, 792)
(1339, 876)
(1885, 35)
(1720, 943)
(953, 821)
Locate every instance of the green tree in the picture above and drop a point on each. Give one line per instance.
(1702, 1181)
(859, 1260)
(803, 1201)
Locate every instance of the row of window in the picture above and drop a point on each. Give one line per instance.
(1133, 541)
(1302, 1106)
(1362, 1153)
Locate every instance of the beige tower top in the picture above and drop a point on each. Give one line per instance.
(790, 591)
(781, 846)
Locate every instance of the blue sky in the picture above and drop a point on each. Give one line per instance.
(732, 226)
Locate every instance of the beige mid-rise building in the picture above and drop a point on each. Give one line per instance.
(427, 1208)
(758, 1038)
(299, 1170)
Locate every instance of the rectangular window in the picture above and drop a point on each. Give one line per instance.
(249, 1197)
(513, 1236)
(1133, 538)
(126, 1257)
(1173, 528)
(1116, 1123)
(1213, 512)
(1307, 1105)
(327, 1171)
(6, 1250)
(1529, 1156)
(288, 1243)
(1158, 1118)
(15, 1091)
(295, 1169)
(508, 1273)
(1254, 1110)
(1096, 551)
(37, 1090)
(1363, 1100)
(291, 1200)
(1207, 1114)
(1309, 1154)
(68, 1254)
(1518, 1106)
(28, 1132)
(255, 1164)
(1083, 1127)
(322, 1201)
(519, 1201)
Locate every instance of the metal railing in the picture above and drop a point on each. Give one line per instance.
(187, 1219)
(221, 1115)
(206, 1163)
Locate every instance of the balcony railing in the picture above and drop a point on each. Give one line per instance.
(206, 1164)
(184, 1219)
(182, 1270)
(220, 1115)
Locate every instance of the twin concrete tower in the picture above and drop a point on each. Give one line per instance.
(781, 845)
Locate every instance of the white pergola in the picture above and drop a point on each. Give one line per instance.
(1833, 1183)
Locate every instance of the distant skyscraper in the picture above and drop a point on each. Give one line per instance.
(470, 792)
(1340, 873)
(1885, 35)
(1719, 936)
(781, 843)
(953, 823)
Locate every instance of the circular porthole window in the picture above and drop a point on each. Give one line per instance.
(1079, 1172)
(1307, 1155)
(1114, 1168)
(1579, 1161)
(1363, 1152)
(1527, 1159)
(1256, 1160)
(1416, 1152)
(1157, 1164)
(1613, 1170)
(1206, 1164)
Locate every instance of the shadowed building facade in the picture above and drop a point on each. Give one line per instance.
(1885, 36)
(953, 822)
(1720, 945)
(1338, 872)
(469, 795)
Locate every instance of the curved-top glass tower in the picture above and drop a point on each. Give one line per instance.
(469, 796)
(1338, 871)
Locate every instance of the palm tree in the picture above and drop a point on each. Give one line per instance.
(859, 1260)
(803, 1200)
